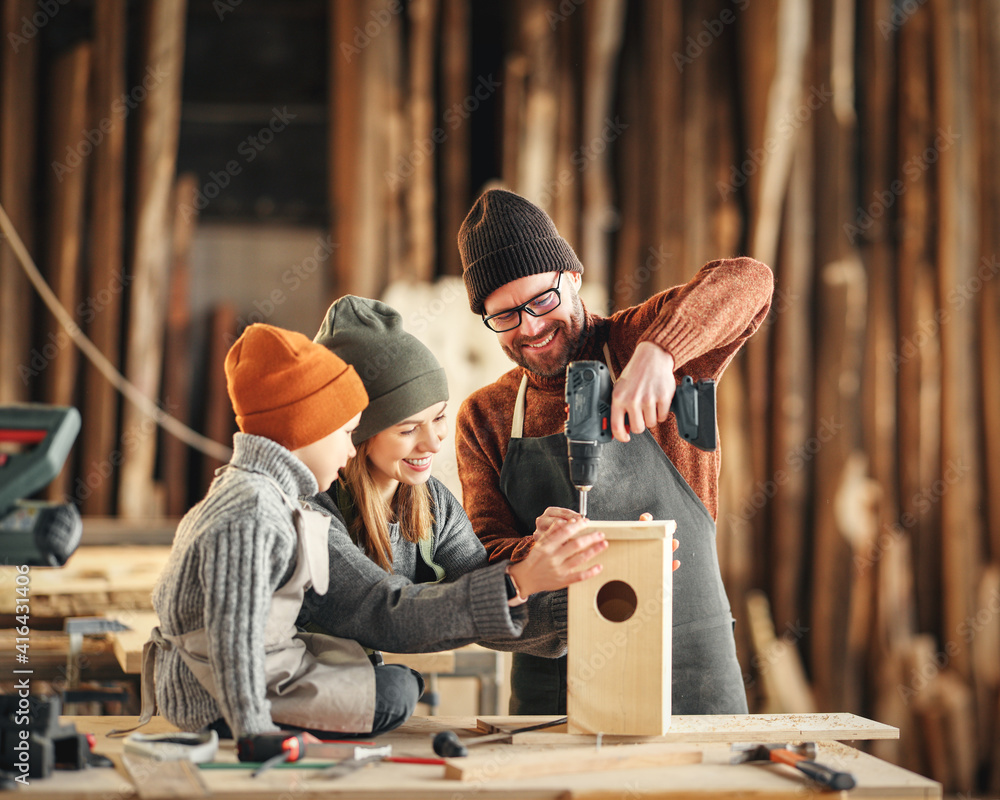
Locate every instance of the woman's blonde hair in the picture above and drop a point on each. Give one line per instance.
(369, 527)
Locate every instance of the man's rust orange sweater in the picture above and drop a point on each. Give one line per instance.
(702, 324)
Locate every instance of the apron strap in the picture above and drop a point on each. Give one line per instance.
(607, 360)
(517, 426)
(148, 690)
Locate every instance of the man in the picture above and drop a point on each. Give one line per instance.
(523, 278)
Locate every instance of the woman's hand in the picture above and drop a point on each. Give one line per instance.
(559, 557)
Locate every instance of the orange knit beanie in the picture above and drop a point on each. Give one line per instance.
(289, 389)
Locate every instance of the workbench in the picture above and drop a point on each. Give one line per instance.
(713, 778)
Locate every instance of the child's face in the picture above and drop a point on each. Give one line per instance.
(405, 452)
(327, 456)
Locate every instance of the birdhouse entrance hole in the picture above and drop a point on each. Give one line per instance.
(616, 601)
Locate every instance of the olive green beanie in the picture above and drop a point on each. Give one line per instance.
(401, 376)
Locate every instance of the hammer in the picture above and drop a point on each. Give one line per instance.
(799, 756)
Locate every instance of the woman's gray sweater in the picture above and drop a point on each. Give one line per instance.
(393, 612)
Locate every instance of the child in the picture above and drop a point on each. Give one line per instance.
(228, 655)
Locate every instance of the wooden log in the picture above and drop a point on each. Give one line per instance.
(105, 268)
(159, 128)
(453, 203)
(956, 256)
(18, 106)
(343, 146)
(421, 194)
(177, 354)
(65, 189)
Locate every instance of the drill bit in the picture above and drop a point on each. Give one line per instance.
(583, 502)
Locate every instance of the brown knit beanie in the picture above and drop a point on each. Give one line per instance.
(505, 237)
(289, 389)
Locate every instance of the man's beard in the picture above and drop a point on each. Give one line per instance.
(552, 363)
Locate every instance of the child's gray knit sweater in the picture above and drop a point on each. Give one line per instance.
(231, 552)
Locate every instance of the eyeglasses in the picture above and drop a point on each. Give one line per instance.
(538, 306)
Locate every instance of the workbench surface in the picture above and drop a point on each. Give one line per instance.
(714, 777)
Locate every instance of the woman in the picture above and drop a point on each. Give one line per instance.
(407, 573)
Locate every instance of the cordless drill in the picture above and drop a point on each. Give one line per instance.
(588, 418)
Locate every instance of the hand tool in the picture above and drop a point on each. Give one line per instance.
(588, 418)
(36, 533)
(448, 745)
(799, 756)
(198, 748)
(271, 749)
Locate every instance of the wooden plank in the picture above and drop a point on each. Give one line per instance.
(421, 191)
(93, 581)
(65, 190)
(571, 760)
(628, 529)
(536, 161)
(453, 202)
(792, 423)
(762, 728)
(105, 265)
(662, 31)
(18, 136)
(838, 363)
(957, 261)
(604, 25)
(177, 353)
(343, 144)
(159, 128)
(160, 780)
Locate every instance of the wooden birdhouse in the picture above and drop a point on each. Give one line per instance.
(618, 671)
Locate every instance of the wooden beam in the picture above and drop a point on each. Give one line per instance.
(66, 184)
(105, 267)
(18, 108)
(159, 128)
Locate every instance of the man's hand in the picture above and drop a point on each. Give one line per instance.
(645, 516)
(644, 391)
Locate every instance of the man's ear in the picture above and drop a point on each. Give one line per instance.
(576, 279)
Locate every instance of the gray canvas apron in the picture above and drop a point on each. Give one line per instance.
(313, 680)
(633, 478)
